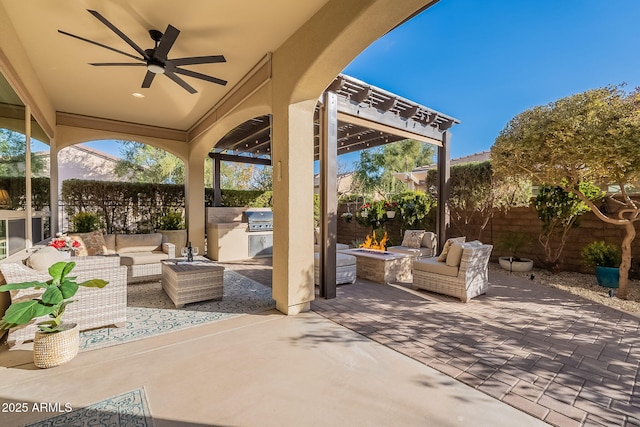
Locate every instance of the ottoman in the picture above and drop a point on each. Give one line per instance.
(345, 268)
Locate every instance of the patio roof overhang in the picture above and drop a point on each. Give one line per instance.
(367, 117)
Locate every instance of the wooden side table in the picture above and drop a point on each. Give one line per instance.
(187, 282)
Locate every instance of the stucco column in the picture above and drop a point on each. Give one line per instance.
(194, 200)
(54, 187)
(292, 160)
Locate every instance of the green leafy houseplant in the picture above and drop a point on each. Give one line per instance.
(52, 302)
(601, 254)
(172, 221)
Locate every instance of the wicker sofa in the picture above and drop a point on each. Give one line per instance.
(140, 253)
(463, 275)
(427, 241)
(92, 307)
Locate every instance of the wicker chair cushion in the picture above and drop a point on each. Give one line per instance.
(42, 259)
(140, 258)
(110, 242)
(412, 238)
(447, 246)
(455, 254)
(92, 243)
(432, 265)
(128, 243)
(429, 240)
(342, 260)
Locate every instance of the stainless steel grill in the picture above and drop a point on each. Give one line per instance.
(259, 220)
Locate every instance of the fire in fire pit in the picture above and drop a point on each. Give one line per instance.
(370, 242)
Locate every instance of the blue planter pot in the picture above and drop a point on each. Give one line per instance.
(608, 276)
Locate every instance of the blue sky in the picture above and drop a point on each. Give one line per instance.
(485, 61)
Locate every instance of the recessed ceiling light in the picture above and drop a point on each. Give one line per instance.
(137, 95)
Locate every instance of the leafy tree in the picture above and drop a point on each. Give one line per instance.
(373, 170)
(413, 207)
(559, 212)
(474, 193)
(145, 163)
(13, 148)
(588, 137)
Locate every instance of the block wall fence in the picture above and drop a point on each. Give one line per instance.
(519, 220)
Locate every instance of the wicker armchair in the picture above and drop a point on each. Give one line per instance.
(92, 307)
(465, 281)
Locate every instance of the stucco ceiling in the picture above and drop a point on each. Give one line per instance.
(243, 31)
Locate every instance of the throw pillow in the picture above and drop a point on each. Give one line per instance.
(92, 243)
(455, 254)
(44, 258)
(447, 246)
(412, 238)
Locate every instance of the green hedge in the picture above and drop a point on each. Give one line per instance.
(126, 207)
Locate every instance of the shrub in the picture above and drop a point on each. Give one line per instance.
(85, 222)
(601, 254)
(171, 221)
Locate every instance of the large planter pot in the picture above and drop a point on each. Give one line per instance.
(524, 264)
(177, 237)
(609, 277)
(55, 348)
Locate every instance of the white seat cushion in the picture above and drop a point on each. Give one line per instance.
(432, 265)
(342, 260)
(140, 258)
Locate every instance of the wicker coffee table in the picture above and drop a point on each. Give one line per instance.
(186, 282)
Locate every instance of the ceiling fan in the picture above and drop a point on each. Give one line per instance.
(156, 59)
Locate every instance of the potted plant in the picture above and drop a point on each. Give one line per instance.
(348, 216)
(172, 228)
(512, 243)
(391, 209)
(606, 258)
(55, 342)
(65, 244)
(85, 222)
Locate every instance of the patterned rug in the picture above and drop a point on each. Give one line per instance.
(150, 312)
(124, 410)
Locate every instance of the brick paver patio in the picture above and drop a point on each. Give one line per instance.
(558, 357)
(561, 358)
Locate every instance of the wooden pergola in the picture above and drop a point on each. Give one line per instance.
(351, 115)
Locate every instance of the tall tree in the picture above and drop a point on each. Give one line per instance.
(145, 163)
(588, 137)
(373, 172)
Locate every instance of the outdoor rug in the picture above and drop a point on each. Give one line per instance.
(150, 312)
(124, 410)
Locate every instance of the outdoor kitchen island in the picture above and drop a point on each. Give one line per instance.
(239, 233)
(381, 266)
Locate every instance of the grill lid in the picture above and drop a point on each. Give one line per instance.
(259, 220)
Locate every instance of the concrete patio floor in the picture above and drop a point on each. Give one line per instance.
(375, 355)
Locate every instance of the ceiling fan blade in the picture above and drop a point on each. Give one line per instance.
(166, 42)
(181, 82)
(199, 60)
(101, 45)
(198, 76)
(117, 64)
(119, 33)
(148, 78)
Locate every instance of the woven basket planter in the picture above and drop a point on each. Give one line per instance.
(53, 349)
